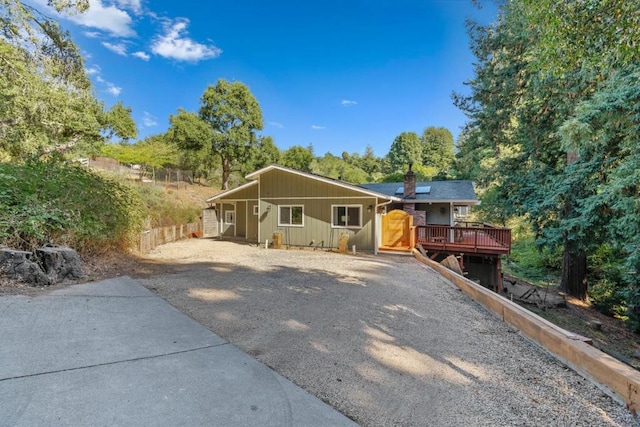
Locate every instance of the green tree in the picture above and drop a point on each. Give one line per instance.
(298, 157)
(192, 135)
(47, 102)
(335, 167)
(540, 109)
(437, 149)
(369, 162)
(405, 149)
(120, 122)
(602, 134)
(265, 153)
(233, 115)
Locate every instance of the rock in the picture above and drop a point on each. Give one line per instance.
(60, 263)
(596, 324)
(47, 266)
(17, 265)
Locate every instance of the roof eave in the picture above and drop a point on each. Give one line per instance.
(256, 175)
(228, 192)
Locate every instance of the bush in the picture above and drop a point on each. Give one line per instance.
(165, 210)
(607, 290)
(51, 202)
(535, 264)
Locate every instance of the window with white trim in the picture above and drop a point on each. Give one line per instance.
(230, 217)
(346, 216)
(291, 215)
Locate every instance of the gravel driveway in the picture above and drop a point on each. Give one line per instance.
(383, 339)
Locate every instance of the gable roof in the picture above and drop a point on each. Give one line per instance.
(439, 191)
(255, 176)
(230, 192)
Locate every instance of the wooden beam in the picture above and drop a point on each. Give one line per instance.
(619, 380)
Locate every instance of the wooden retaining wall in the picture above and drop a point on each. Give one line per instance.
(149, 239)
(619, 380)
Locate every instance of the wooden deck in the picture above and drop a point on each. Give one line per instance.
(466, 238)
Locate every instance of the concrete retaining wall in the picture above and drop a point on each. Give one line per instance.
(617, 379)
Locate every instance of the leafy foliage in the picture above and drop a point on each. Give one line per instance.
(50, 202)
(553, 131)
(437, 149)
(224, 128)
(298, 157)
(47, 102)
(335, 167)
(233, 115)
(405, 149)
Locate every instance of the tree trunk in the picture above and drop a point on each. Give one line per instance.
(226, 172)
(574, 261)
(574, 273)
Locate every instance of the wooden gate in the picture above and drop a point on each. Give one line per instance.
(397, 230)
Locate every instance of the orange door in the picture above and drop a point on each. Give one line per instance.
(396, 229)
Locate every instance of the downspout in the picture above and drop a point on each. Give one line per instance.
(220, 221)
(376, 243)
(259, 211)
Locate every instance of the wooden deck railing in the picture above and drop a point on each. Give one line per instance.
(465, 238)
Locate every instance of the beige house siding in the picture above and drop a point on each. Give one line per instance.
(318, 229)
(277, 183)
(241, 219)
(434, 216)
(252, 221)
(257, 207)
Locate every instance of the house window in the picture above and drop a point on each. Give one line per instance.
(347, 216)
(256, 209)
(292, 215)
(230, 217)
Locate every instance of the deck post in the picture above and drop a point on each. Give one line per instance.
(499, 274)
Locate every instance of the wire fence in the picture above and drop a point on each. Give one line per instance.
(167, 177)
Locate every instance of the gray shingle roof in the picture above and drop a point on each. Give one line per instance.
(450, 191)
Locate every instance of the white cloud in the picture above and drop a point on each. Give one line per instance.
(92, 34)
(276, 124)
(175, 45)
(346, 102)
(113, 89)
(316, 127)
(133, 5)
(110, 87)
(94, 69)
(148, 119)
(118, 48)
(142, 55)
(106, 18)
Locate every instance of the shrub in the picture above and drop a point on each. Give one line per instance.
(51, 202)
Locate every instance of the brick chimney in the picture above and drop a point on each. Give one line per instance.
(409, 189)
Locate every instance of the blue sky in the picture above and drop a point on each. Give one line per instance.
(339, 75)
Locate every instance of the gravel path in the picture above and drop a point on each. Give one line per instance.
(383, 339)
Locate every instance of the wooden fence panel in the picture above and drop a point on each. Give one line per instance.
(150, 239)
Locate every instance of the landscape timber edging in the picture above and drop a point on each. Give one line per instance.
(617, 379)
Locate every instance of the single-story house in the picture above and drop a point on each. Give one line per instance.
(306, 209)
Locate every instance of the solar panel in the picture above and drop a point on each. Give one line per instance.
(419, 190)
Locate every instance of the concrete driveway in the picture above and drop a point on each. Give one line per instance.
(383, 339)
(112, 353)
